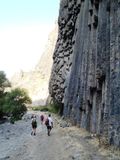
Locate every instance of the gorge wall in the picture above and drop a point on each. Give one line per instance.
(85, 77)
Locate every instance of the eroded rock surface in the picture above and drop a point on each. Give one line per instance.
(85, 77)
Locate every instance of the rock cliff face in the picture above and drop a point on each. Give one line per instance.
(36, 81)
(85, 78)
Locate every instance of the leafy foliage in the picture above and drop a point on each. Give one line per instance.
(1, 105)
(40, 108)
(53, 108)
(12, 103)
(4, 83)
(15, 103)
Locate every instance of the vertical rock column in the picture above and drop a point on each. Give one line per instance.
(64, 48)
(114, 126)
(86, 70)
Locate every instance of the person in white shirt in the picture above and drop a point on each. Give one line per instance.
(49, 124)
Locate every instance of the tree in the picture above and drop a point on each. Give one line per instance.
(15, 103)
(4, 83)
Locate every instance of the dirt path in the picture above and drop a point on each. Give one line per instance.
(69, 143)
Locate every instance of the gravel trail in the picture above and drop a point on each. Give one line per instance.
(65, 143)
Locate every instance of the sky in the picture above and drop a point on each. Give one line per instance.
(24, 29)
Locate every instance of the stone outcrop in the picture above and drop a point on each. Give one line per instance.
(36, 81)
(85, 78)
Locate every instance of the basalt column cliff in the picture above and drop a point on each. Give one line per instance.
(85, 78)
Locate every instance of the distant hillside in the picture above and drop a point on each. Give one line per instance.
(36, 81)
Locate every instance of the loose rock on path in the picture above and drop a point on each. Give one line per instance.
(65, 143)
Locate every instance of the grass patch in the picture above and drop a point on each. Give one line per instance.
(40, 108)
(50, 108)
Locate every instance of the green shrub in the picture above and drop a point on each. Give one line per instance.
(35, 108)
(4, 83)
(40, 108)
(44, 109)
(54, 108)
(50, 108)
(15, 103)
(12, 120)
(1, 106)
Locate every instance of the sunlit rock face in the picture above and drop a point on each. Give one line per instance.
(36, 81)
(85, 77)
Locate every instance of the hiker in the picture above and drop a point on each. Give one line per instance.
(32, 116)
(42, 118)
(49, 124)
(34, 125)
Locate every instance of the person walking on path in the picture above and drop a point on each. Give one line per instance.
(34, 125)
(42, 118)
(49, 124)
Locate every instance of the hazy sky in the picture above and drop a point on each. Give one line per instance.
(24, 29)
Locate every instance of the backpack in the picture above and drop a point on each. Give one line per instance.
(34, 123)
(47, 122)
(42, 117)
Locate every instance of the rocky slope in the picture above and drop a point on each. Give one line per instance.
(85, 78)
(36, 81)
